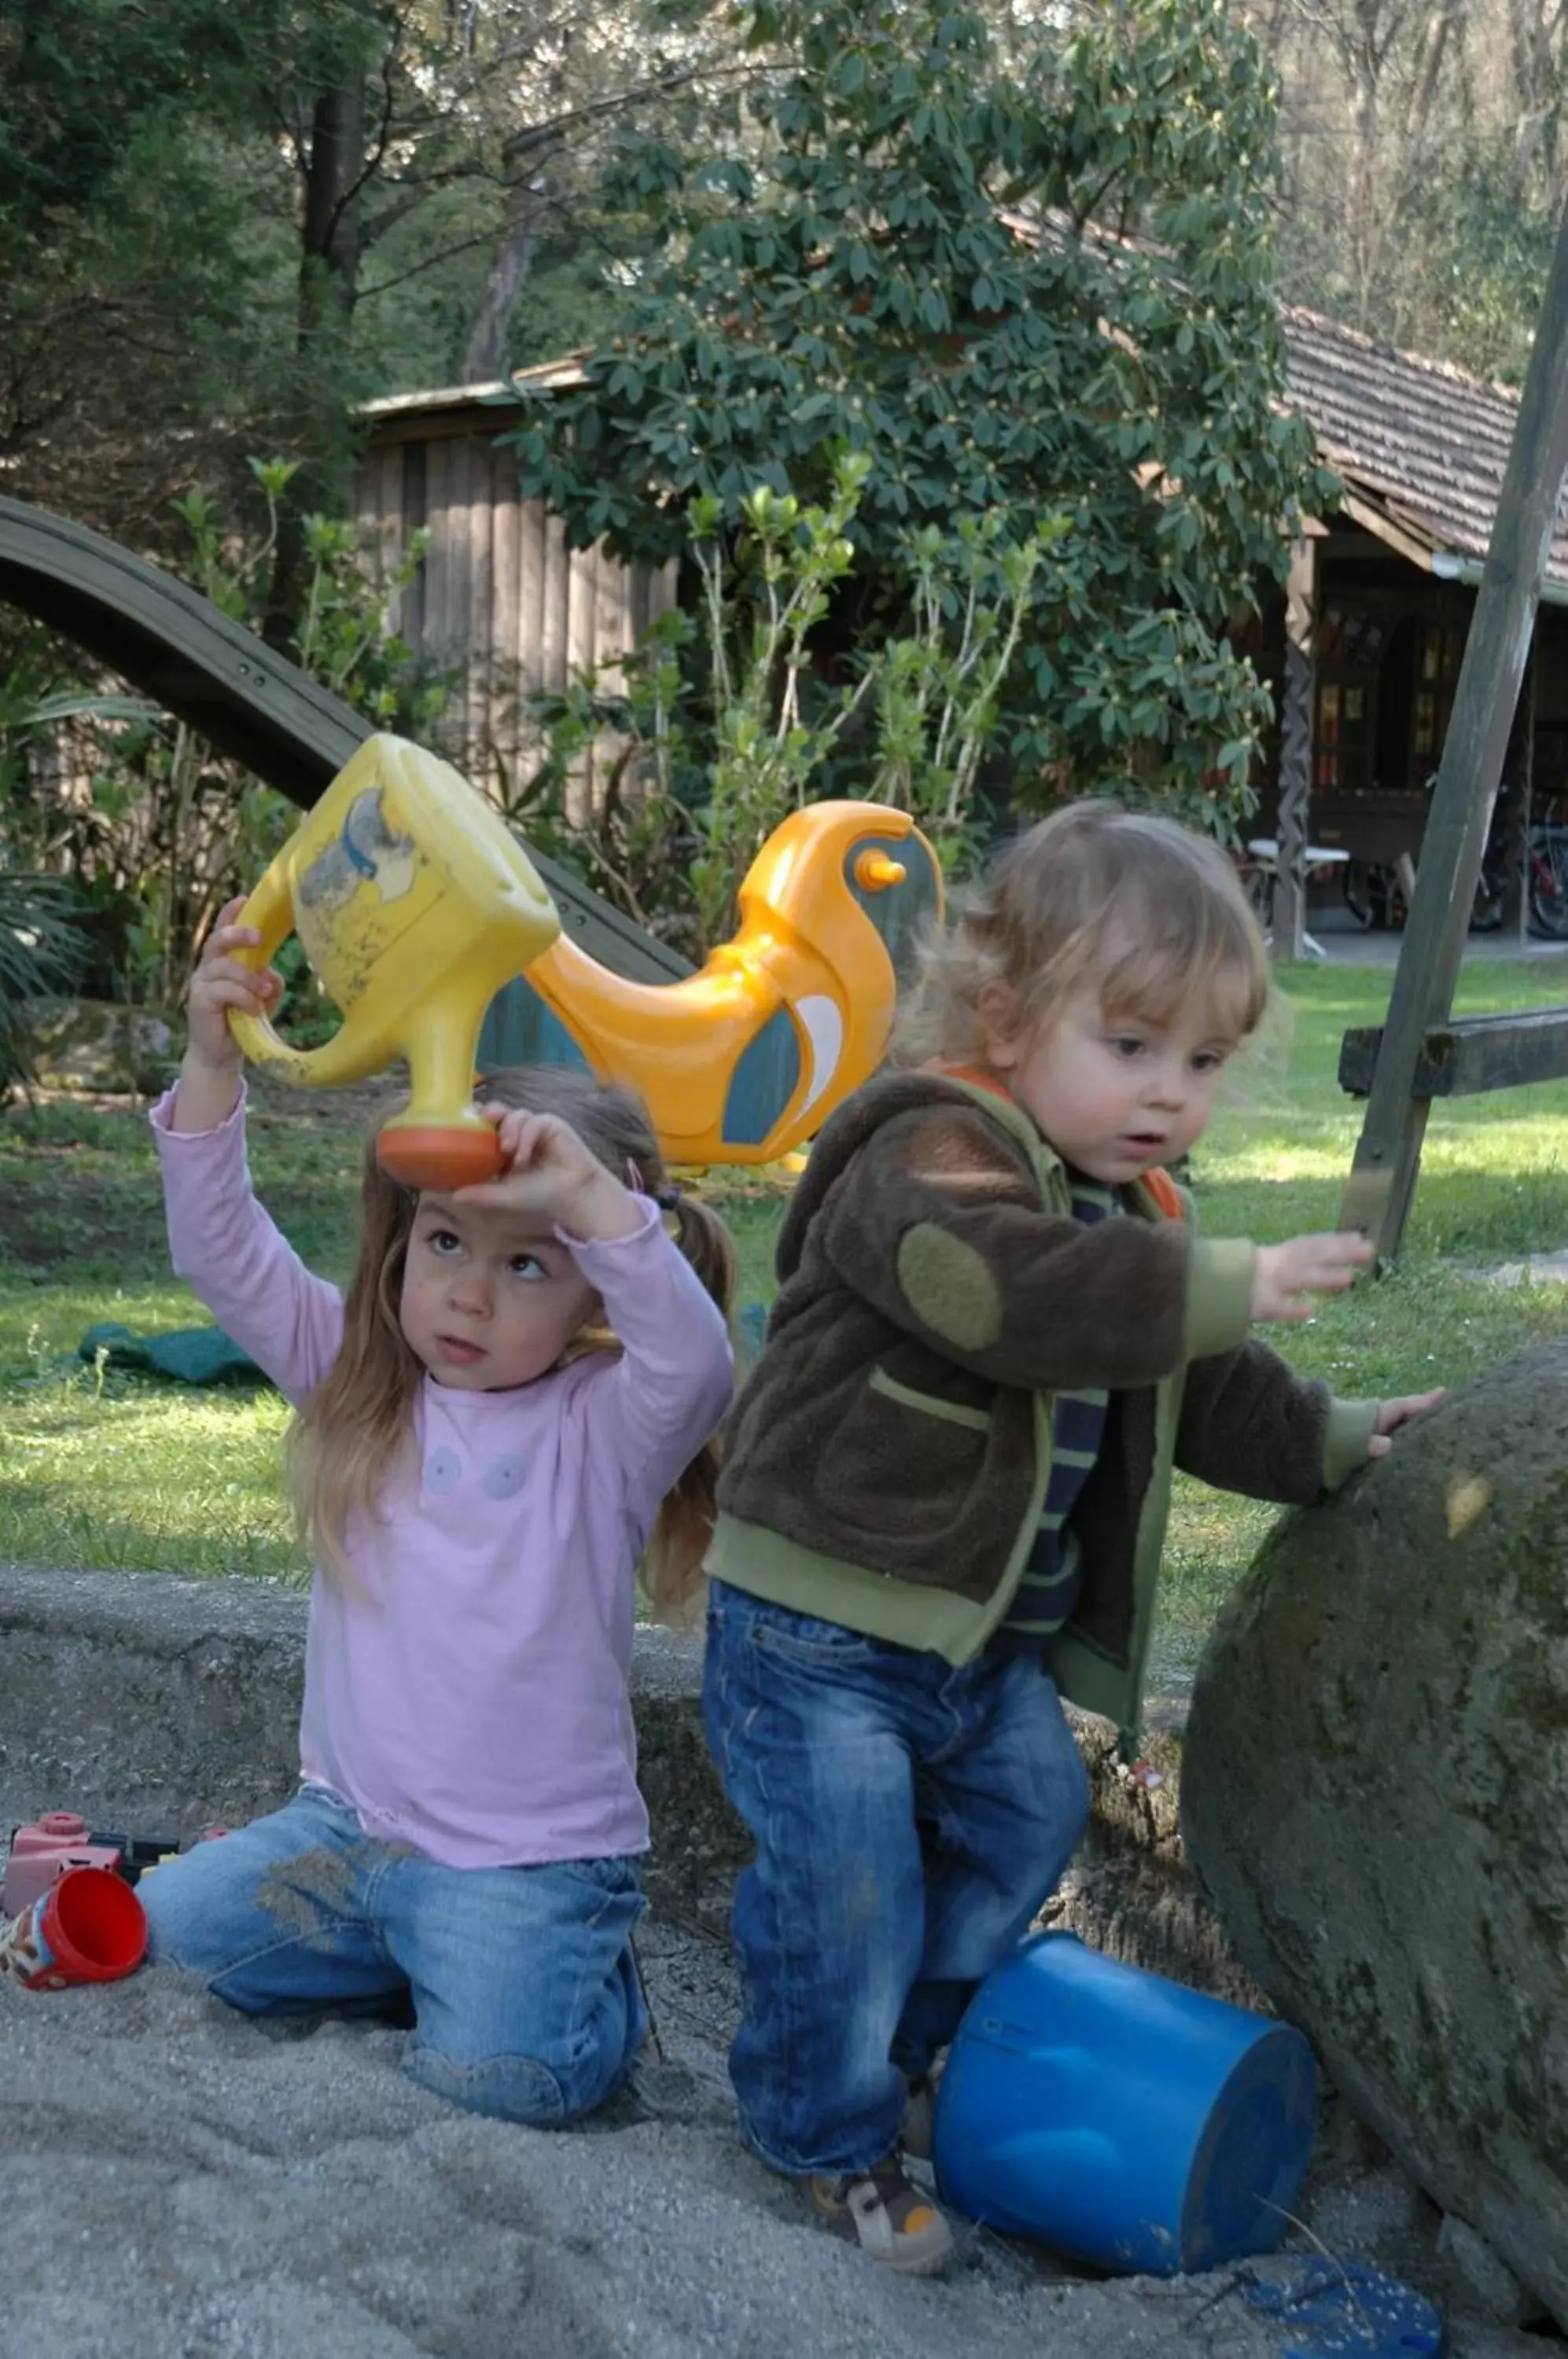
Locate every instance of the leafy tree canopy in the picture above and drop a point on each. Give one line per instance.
(1024, 293)
(133, 148)
(225, 223)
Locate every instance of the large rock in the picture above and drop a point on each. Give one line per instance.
(1376, 1792)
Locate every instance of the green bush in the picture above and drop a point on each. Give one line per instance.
(41, 956)
(672, 834)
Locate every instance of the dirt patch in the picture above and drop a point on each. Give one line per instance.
(203, 2183)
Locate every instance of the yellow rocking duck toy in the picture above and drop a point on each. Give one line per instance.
(423, 917)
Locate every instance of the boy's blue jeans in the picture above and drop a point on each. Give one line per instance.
(911, 1818)
(525, 1990)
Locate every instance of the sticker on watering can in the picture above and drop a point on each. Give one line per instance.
(366, 851)
(1332, 2309)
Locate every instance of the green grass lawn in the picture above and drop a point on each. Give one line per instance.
(101, 1468)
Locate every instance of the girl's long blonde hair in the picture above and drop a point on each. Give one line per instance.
(1153, 913)
(350, 1437)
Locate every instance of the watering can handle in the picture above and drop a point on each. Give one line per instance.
(271, 910)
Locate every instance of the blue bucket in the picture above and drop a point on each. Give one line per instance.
(1120, 2117)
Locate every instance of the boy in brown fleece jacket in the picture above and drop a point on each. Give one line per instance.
(947, 1483)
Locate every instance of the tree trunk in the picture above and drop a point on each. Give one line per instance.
(1296, 726)
(328, 257)
(485, 357)
(328, 284)
(1365, 114)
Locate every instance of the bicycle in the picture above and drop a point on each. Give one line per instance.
(1548, 852)
(1374, 896)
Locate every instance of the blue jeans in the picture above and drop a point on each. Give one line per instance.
(525, 1991)
(911, 1819)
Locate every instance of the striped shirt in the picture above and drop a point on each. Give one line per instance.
(1052, 1574)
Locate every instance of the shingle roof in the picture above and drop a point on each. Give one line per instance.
(1420, 446)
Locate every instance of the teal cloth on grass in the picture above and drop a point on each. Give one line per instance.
(190, 1355)
(205, 1356)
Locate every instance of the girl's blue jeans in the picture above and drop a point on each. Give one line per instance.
(911, 1818)
(524, 1987)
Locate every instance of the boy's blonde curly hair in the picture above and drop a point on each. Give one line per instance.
(1153, 913)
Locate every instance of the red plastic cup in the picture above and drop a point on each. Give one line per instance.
(89, 1927)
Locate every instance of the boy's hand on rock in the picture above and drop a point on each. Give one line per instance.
(1285, 1277)
(1392, 1414)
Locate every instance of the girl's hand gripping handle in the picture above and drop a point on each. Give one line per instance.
(226, 985)
(357, 1048)
(263, 924)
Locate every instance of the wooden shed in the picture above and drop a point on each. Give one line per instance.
(499, 599)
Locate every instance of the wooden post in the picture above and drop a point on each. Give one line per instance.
(1387, 1154)
(1298, 714)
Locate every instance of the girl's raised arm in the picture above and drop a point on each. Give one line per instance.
(220, 1240)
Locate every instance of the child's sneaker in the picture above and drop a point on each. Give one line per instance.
(896, 2220)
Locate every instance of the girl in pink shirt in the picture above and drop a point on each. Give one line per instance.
(509, 1409)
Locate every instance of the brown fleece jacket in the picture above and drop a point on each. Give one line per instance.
(934, 1290)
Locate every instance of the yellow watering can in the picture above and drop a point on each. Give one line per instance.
(414, 905)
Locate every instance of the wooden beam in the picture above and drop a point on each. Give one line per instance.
(1383, 527)
(1297, 731)
(1468, 1055)
(1387, 1154)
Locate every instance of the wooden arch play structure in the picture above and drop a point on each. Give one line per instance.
(175, 647)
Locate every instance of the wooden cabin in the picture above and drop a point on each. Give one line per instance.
(1390, 584)
(1385, 585)
(500, 600)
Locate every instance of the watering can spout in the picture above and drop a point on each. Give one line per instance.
(413, 904)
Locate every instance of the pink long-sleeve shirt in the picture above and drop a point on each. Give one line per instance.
(467, 1689)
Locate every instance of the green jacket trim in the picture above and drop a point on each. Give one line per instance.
(1351, 1425)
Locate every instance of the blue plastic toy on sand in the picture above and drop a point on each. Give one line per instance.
(1340, 2309)
(1120, 2117)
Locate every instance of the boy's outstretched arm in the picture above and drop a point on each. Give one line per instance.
(1250, 1424)
(940, 1227)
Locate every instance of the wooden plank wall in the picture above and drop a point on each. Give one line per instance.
(500, 598)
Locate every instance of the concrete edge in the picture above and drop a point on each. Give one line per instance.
(159, 1704)
(156, 1704)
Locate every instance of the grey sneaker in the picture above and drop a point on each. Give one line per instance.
(896, 2222)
